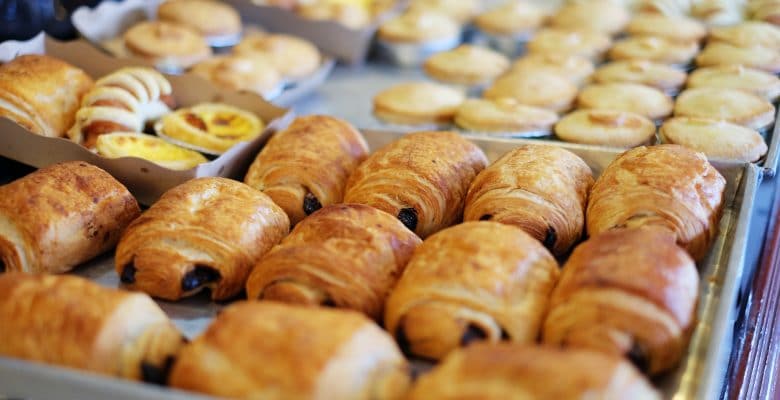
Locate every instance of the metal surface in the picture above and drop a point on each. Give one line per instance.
(699, 376)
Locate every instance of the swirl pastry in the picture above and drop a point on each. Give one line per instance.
(666, 185)
(72, 322)
(306, 166)
(347, 255)
(474, 281)
(627, 292)
(541, 189)
(121, 102)
(421, 178)
(205, 233)
(167, 44)
(292, 56)
(251, 73)
(41, 93)
(511, 371)
(61, 216)
(272, 351)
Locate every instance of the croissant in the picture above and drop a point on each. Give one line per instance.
(72, 322)
(541, 189)
(666, 185)
(205, 233)
(121, 102)
(474, 281)
(306, 166)
(347, 255)
(628, 292)
(61, 216)
(421, 178)
(507, 371)
(273, 351)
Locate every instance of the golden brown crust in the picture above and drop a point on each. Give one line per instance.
(541, 189)
(475, 281)
(666, 185)
(347, 255)
(716, 139)
(61, 216)
(294, 57)
(631, 97)
(417, 103)
(167, 42)
(730, 105)
(511, 18)
(306, 166)
(720, 53)
(660, 76)
(573, 67)
(418, 26)
(667, 51)
(210, 18)
(72, 322)
(760, 83)
(588, 44)
(605, 128)
(254, 73)
(275, 351)
(539, 89)
(503, 116)
(207, 232)
(421, 178)
(466, 65)
(627, 292)
(604, 16)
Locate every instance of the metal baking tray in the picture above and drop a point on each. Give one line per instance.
(700, 374)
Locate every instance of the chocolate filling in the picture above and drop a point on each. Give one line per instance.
(505, 335)
(128, 274)
(198, 277)
(408, 217)
(403, 342)
(2, 266)
(157, 374)
(473, 333)
(638, 357)
(550, 238)
(310, 203)
(328, 302)
(486, 217)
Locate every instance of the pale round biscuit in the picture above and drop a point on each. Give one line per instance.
(467, 65)
(461, 11)
(716, 139)
(591, 45)
(503, 115)
(294, 57)
(210, 18)
(654, 49)
(717, 12)
(758, 82)
(167, 42)
(538, 89)
(631, 97)
(252, 73)
(719, 53)
(418, 27)
(605, 128)
(677, 28)
(730, 105)
(511, 18)
(660, 76)
(603, 16)
(353, 16)
(748, 34)
(573, 67)
(418, 103)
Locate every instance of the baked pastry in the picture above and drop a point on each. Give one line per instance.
(502, 371)
(730, 105)
(148, 147)
(419, 26)
(61, 216)
(123, 100)
(204, 233)
(41, 93)
(719, 53)
(421, 178)
(760, 83)
(250, 73)
(351, 15)
(631, 97)
(467, 65)
(208, 17)
(766, 10)
(660, 76)
(666, 185)
(210, 127)
(418, 103)
(605, 128)
(539, 89)
(293, 57)
(475, 281)
(679, 29)
(587, 44)
(274, 351)
(346, 255)
(306, 166)
(166, 43)
(72, 322)
(541, 189)
(717, 12)
(748, 34)
(673, 8)
(626, 292)
(665, 51)
(504, 116)
(573, 67)
(716, 139)
(610, 17)
(512, 18)
(461, 11)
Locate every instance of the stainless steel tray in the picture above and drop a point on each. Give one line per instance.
(700, 374)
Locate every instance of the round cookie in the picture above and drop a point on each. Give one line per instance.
(654, 49)
(210, 18)
(513, 18)
(591, 45)
(167, 42)
(292, 56)
(631, 97)
(605, 128)
(538, 89)
(716, 139)
(732, 105)
(418, 103)
(575, 68)
(503, 116)
(719, 53)
(760, 83)
(603, 16)
(660, 76)
(674, 28)
(466, 65)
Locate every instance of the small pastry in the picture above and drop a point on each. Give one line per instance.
(72, 322)
(421, 178)
(166, 43)
(730, 105)
(767, 11)
(611, 128)
(208, 17)
(292, 56)
(346, 255)
(306, 166)
(719, 53)
(610, 18)
(251, 73)
(538, 89)
(210, 127)
(353, 16)
(418, 103)
(573, 67)
(677, 29)
(41, 93)
(717, 12)
(660, 76)
(760, 83)
(626, 292)
(670, 8)
(461, 11)
(716, 139)
(512, 18)
(654, 49)
(477, 281)
(284, 4)
(467, 65)
(204, 233)
(748, 34)
(419, 27)
(61, 216)
(267, 350)
(541, 189)
(668, 186)
(631, 97)
(587, 44)
(148, 147)
(503, 371)
(504, 116)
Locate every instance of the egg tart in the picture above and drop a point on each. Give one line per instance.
(211, 128)
(148, 147)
